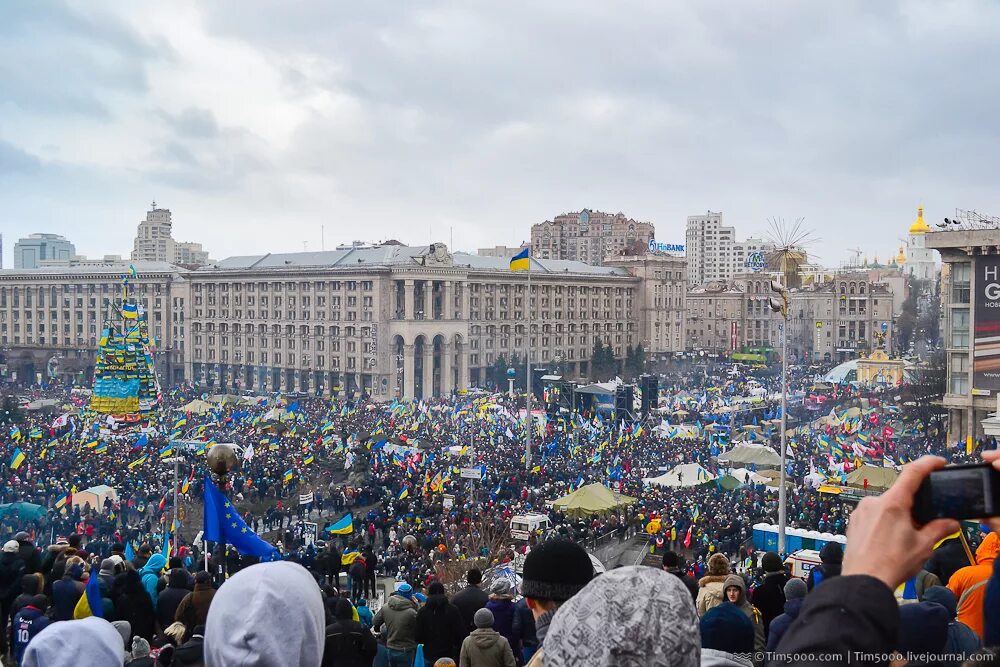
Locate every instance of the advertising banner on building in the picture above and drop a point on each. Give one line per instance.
(986, 339)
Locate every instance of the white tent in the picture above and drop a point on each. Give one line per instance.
(96, 496)
(688, 474)
(751, 453)
(741, 475)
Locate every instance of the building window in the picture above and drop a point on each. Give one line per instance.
(961, 274)
(960, 328)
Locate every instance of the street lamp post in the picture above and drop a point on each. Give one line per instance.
(779, 304)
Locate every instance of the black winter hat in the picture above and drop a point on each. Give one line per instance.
(771, 562)
(726, 628)
(556, 570)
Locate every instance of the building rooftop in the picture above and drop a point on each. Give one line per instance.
(119, 268)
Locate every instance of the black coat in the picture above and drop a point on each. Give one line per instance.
(769, 597)
(843, 616)
(440, 628)
(11, 571)
(348, 644)
(947, 559)
(167, 602)
(822, 572)
(469, 600)
(689, 582)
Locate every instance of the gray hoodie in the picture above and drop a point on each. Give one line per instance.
(759, 640)
(89, 642)
(486, 648)
(268, 615)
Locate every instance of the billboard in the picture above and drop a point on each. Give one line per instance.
(986, 337)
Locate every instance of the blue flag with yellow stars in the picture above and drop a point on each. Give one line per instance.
(224, 524)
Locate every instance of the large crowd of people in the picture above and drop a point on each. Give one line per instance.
(414, 520)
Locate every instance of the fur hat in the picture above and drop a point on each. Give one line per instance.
(556, 570)
(718, 565)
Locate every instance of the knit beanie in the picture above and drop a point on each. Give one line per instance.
(923, 629)
(140, 647)
(795, 589)
(556, 570)
(771, 562)
(483, 618)
(726, 628)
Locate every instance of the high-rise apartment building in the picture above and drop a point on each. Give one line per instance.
(30, 252)
(154, 242)
(713, 253)
(661, 300)
(589, 237)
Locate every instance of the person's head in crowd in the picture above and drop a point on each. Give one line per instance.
(474, 577)
(404, 590)
(718, 565)
(202, 577)
(436, 588)
(501, 590)
(145, 550)
(610, 623)
(344, 611)
(943, 596)
(923, 631)
(735, 589)
(554, 571)
(140, 648)
(671, 561)
(771, 562)
(726, 629)
(11, 547)
(123, 628)
(444, 662)
(795, 589)
(90, 642)
(108, 567)
(483, 618)
(76, 541)
(266, 615)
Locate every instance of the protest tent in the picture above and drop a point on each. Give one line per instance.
(224, 399)
(688, 474)
(95, 495)
(750, 453)
(879, 479)
(729, 483)
(197, 407)
(591, 499)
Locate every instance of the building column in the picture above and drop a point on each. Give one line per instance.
(408, 311)
(447, 301)
(428, 370)
(428, 299)
(447, 381)
(465, 301)
(408, 371)
(463, 365)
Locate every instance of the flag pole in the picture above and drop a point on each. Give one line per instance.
(527, 380)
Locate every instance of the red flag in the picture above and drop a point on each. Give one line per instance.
(687, 538)
(163, 502)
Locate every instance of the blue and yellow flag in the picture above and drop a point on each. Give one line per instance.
(131, 268)
(17, 459)
(166, 451)
(138, 462)
(349, 557)
(345, 526)
(90, 603)
(130, 311)
(288, 475)
(224, 524)
(404, 493)
(521, 261)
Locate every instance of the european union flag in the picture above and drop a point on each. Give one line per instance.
(224, 524)
(141, 442)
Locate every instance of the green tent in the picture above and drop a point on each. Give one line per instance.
(591, 499)
(23, 511)
(728, 482)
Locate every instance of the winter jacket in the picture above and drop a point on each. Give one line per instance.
(29, 554)
(348, 644)
(365, 615)
(969, 584)
(193, 608)
(713, 658)
(88, 642)
(847, 614)
(469, 600)
(710, 592)
(948, 558)
(28, 622)
(769, 597)
(780, 625)
(191, 653)
(486, 648)
(399, 615)
(832, 556)
(505, 620)
(751, 611)
(689, 582)
(961, 639)
(169, 599)
(529, 633)
(150, 574)
(439, 628)
(11, 571)
(65, 594)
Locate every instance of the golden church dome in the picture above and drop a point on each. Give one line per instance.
(919, 226)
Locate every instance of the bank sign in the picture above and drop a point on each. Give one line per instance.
(656, 246)
(986, 353)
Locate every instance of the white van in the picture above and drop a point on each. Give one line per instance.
(801, 562)
(522, 526)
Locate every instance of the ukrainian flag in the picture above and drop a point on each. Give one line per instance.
(131, 268)
(309, 459)
(90, 603)
(349, 557)
(521, 261)
(404, 493)
(288, 475)
(130, 311)
(344, 526)
(138, 462)
(17, 459)
(166, 451)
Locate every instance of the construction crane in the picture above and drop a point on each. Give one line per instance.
(857, 252)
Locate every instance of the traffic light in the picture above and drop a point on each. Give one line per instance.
(779, 303)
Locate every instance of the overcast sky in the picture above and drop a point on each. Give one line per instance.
(257, 122)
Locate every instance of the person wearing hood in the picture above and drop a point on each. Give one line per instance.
(969, 584)
(769, 596)
(365, 615)
(726, 637)
(399, 616)
(831, 557)
(193, 609)
(266, 615)
(485, 647)
(67, 591)
(192, 652)
(795, 593)
(89, 642)
(736, 592)
(28, 622)
(348, 643)
(608, 623)
(961, 639)
(150, 576)
(505, 619)
(132, 604)
(169, 599)
(439, 626)
(710, 591)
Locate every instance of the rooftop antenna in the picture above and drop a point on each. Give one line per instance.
(305, 246)
(322, 237)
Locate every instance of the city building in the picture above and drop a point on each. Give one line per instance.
(502, 250)
(30, 252)
(919, 259)
(154, 242)
(51, 317)
(712, 249)
(837, 320)
(589, 237)
(661, 300)
(970, 304)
